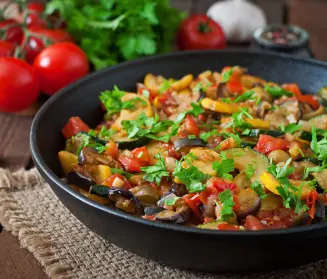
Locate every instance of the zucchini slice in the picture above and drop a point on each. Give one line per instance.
(126, 143)
(321, 178)
(210, 226)
(323, 96)
(255, 133)
(245, 156)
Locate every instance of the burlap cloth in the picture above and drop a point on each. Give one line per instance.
(67, 249)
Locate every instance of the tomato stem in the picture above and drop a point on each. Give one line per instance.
(204, 27)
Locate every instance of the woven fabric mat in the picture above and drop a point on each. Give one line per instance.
(67, 249)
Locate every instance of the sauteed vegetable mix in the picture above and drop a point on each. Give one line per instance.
(223, 150)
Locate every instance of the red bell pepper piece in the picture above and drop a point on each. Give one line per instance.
(193, 201)
(292, 87)
(110, 181)
(311, 201)
(74, 126)
(267, 144)
(228, 227)
(131, 164)
(142, 154)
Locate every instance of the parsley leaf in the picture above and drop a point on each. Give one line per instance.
(196, 110)
(224, 168)
(226, 100)
(124, 173)
(290, 128)
(309, 170)
(244, 97)
(172, 201)
(113, 103)
(191, 176)
(98, 147)
(106, 133)
(281, 172)
(259, 189)
(164, 86)
(239, 119)
(205, 136)
(200, 87)
(156, 172)
(249, 171)
(226, 197)
(226, 76)
(277, 92)
(319, 148)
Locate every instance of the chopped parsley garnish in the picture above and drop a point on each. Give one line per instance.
(106, 133)
(290, 128)
(196, 110)
(235, 137)
(191, 176)
(277, 92)
(309, 170)
(192, 137)
(227, 75)
(245, 96)
(205, 136)
(200, 87)
(249, 171)
(224, 168)
(226, 100)
(112, 100)
(319, 148)
(156, 172)
(98, 147)
(226, 197)
(290, 194)
(259, 189)
(92, 133)
(239, 119)
(164, 86)
(150, 127)
(172, 201)
(124, 173)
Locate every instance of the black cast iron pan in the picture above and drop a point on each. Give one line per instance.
(175, 245)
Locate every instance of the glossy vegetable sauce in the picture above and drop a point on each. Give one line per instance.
(224, 150)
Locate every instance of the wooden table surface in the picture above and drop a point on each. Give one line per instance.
(16, 262)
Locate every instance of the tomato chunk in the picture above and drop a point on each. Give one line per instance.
(221, 185)
(228, 227)
(112, 149)
(191, 126)
(308, 99)
(117, 181)
(193, 201)
(131, 164)
(142, 154)
(74, 126)
(267, 144)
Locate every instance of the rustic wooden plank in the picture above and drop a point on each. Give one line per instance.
(311, 16)
(14, 144)
(15, 262)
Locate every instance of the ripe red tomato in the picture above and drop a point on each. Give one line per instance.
(191, 126)
(142, 154)
(200, 32)
(267, 144)
(59, 65)
(19, 84)
(6, 48)
(42, 37)
(13, 33)
(131, 164)
(74, 126)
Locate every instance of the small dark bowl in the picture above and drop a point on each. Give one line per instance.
(179, 246)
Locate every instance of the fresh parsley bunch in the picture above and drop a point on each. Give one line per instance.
(111, 31)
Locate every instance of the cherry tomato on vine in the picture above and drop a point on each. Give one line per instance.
(6, 48)
(40, 38)
(33, 15)
(19, 84)
(59, 65)
(11, 31)
(200, 32)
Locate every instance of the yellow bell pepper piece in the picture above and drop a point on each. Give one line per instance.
(100, 172)
(258, 123)
(271, 184)
(67, 160)
(217, 106)
(183, 83)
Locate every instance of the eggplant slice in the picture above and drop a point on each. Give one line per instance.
(180, 216)
(184, 143)
(89, 156)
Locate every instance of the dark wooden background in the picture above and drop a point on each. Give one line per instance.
(14, 129)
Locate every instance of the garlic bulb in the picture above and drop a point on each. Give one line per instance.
(238, 18)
